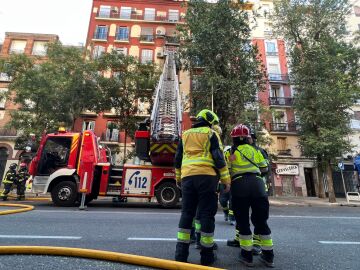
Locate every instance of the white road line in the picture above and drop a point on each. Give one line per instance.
(40, 237)
(164, 239)
(177, 214)
(339, 243)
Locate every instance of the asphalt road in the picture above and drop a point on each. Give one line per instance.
(304, 237)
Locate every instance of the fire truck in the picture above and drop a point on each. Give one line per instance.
(70, 164)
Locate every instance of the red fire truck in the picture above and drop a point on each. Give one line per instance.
(68, 164)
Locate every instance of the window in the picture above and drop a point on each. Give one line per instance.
(104, 11)
(2, 97)
(281, 143)
(357, 11)
(173, 15)
(271, 48)
(147, 34)
(88, 125)
(101, 32)
(17, 46)
(146, 56)
(122, 33)
(55, 155)
(39, 48)
(112, 132)
(149, 14)
(274, 72)
(98, 51)
(125, 13)
(266, 10)
(359, 26)
(276, 91)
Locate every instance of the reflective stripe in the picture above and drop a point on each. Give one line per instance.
(256, 240)
(231, 212)
(197, 225)
(266, 242)
(207, 239)
(198, 161)
(183, 235)
(246, 244)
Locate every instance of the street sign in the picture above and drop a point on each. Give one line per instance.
(341, 166)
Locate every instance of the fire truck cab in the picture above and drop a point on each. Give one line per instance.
(68, 164)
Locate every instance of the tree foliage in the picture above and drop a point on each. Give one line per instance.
(218, 52)
(325, 72)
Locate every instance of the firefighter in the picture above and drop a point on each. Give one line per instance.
(9, 179)
(22, 177)
(224, 197)
(248, 191)
(198, 159)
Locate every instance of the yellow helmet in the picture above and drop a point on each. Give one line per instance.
(208, 116)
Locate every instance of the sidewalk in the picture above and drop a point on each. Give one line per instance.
(309, 201)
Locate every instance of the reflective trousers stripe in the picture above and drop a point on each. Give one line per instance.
(207, 240)
(246, 242)
(183, 235)
(197, 225)
(256, 240)
(266, 242)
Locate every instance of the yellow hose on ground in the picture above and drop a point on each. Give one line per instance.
(24, 208)
(102, 255)
(32, 198)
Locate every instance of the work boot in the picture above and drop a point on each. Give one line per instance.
(182, 252)
(267, 258)
(208, 256)
(198, 246)
(233, 243)
(246, 258)
(256, 250)
(20, 198)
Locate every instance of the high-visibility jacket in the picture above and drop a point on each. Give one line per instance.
(197, 158)
(10, 177)
(246, 159)
(23, 175)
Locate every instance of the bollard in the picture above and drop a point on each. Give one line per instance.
(82, 204)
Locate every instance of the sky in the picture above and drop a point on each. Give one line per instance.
(69, 19)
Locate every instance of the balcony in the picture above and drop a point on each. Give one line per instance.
(278, 78)
(146, 38)
(4, 77)
(137, 17)
(172, 40)
(7, 132)
(290, 127)
(111, 136)
(273, 53)
(281, 101)
(284, 152)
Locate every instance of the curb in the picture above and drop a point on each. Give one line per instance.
(24, 208)
(101, 255)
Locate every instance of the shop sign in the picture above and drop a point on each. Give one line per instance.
(284, 169)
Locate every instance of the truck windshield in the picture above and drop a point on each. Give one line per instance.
(55, 155)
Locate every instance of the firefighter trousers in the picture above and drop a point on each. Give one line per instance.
(198, 194)
(248, 192)
(6, 191)
(20, 188)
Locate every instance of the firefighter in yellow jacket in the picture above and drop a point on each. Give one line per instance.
(198, 160)
(248, 191)
(9, 180)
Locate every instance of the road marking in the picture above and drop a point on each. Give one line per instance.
(164, 239)
(177, 214)
(40, 237)
(339, 243)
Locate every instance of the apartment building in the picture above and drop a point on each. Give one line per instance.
(144, 29)
(16, 43)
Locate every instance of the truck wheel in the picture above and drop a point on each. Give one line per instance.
(64, 194)
(167, 194)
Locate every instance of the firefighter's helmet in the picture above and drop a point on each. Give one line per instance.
(12, 166)
(240, 131)
(208, 116)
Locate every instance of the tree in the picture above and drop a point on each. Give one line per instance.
(325, 72)
(50, 92)
(131, 82)
(224, 64)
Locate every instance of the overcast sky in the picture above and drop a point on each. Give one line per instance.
(69, 19)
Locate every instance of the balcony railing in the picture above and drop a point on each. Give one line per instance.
(172, 40)
(17, 51)
(4, 77)
(284, 127)
(281, 101)
(272, 53)
(278, 78)
(110, 136)
(139, 17)
(147, 38)
(6, 132)
(100, 35)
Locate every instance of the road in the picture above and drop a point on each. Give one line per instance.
(304, 237)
